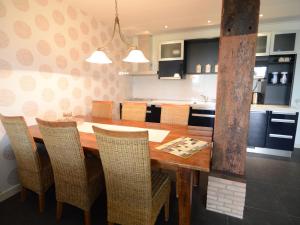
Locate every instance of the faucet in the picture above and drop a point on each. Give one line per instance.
(204, 97)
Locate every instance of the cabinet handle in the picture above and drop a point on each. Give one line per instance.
(282, 121)
(281, 136)
(283, 113)
(203, 115)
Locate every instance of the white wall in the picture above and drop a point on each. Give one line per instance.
(151, 87)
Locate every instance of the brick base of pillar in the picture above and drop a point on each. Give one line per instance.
(226, 195)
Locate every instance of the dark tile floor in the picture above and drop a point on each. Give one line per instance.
(273, 198)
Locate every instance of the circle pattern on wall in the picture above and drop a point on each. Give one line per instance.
(22, 29)
(22, 5)
(42, 23)
(24, 57)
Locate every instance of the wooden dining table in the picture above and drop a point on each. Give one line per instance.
(200, 161)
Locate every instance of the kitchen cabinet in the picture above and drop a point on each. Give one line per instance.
(263, 44)
(257, 128)
(283, 43)
(171, 50)
(281, 131)
(201, 117)
(278, 93)
(153, 114)
(170, 68)
(199, 53)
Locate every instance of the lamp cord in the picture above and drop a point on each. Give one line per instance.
(117, 23)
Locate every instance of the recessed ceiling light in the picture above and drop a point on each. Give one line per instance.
(261, 15)
(208, 21)
(166, 27)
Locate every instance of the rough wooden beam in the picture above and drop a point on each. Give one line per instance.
(236, 61)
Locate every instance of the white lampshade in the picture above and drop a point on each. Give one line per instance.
(99, 57)
(136, 56)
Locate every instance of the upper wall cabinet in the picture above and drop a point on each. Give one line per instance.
(276, 43)
(263, 44)
(201, 56)
(171, 50)
(283, 43)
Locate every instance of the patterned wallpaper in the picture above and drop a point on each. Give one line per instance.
(43, 44)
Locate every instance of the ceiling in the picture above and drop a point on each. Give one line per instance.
(137, 16)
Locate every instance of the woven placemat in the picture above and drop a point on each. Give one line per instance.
(183, 147)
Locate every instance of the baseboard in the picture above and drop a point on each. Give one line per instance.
(10, 192)
(297, 146)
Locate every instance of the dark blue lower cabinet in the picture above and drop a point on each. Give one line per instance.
(257, 128)
(281, 130)
(204, 118)
(153, 114)
(281, 142)
(271, 129)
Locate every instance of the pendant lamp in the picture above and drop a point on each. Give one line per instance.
(134, 56)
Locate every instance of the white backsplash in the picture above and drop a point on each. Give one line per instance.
(191, 88)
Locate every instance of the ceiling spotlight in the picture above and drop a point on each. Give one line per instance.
(208, 21)
(166, 27)
(261, 15)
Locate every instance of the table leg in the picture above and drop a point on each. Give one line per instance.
(196, 175)
(185, 195)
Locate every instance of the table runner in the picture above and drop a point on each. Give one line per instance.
(154, 134)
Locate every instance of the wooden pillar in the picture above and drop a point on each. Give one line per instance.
(239, 27)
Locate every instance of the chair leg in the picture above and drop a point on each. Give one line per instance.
(177, 184)
(23, 194)
(59, 209)
(41, 202)
(87, 218)
(167, 209)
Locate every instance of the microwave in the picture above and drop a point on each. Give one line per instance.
(171, 50)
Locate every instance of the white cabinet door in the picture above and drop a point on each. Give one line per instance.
(263, 44)
(171, 50)
(283, 43)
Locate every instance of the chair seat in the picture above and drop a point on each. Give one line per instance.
(161, 186)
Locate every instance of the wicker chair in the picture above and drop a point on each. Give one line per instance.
(34, 168)
(78, 179)
(134, 195)
(175, 114)
(134, 111)
(102, 109)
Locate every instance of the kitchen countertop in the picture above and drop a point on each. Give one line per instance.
(210, 105)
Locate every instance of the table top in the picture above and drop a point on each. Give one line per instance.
(198, 161)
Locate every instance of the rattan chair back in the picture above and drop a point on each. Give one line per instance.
(175, 114)
(62, 141)
(126, 163)
(25, 151)
(134, 111)
(102, 109)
